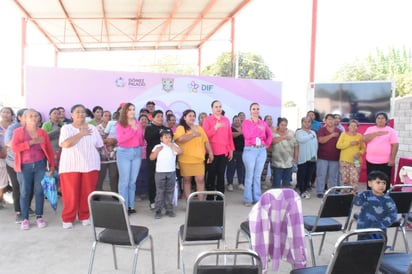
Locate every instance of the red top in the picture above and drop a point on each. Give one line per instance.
(19, 145)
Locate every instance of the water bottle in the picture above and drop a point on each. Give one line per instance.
(357, 163)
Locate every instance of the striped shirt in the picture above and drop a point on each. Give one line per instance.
(83, 156)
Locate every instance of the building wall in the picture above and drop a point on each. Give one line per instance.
(403, 125)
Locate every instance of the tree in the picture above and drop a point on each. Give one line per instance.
(395, 65)
(250, 66)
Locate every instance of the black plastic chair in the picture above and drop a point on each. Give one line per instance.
(255, 267)
(204, 223)
(245, 231)
(396, 263)
(337, 202)
(108, 212)
(403, 201)
(352, 256)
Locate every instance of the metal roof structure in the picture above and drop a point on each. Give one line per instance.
(94, 25)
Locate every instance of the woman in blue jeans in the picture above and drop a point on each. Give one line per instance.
(33, 150)
(258, 136)
(129, 134)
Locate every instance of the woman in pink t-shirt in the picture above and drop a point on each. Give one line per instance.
(381, 146)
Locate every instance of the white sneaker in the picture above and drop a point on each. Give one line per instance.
(307, 195)
(67, 225)
(241, 187)
(85, 222)
(230, 187)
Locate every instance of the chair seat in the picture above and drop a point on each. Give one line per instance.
(409, 217)
(324, 224)
(119, 237)
(202, 233)
(244, 226)
(310, 270)
(395, 263)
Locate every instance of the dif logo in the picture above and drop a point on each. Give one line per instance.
(206, 88)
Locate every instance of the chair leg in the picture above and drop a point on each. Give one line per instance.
(404, 238)
(237, 239)
(178, 251)
(152, 254)
(321, 243)
(136, 253)
(114, 256)
(92, 257)
(312, 251)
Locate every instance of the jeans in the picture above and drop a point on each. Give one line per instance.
(165, 189)
(128, 164)
(142, 182)
(326, 168)
(30, 177)
(236, 165)
(254, 160)
(216, 175)
(282, 177)
(113, 176)
(304, 175)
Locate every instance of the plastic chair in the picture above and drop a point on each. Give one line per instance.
(245, 230)
(108, 212)
(396, 263)
(337, 202)
(353, 257)
(255, 267)
(204, 223)
(403, 201)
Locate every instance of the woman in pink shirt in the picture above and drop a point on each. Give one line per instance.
(258, 137)
(381, 146)
(219, 133)
(129, 133)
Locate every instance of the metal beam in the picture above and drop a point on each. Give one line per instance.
(105, 25)
(42, 31)
(223, 22)
(204, 12)
(168, 21)
(71, 23)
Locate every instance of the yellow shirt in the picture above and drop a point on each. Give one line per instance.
(194, 150)
(346, 150)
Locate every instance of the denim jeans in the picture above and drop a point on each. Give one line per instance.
(128, 164)
(326, 168)
(236, 165)
(254, 160)
(304, 175)
(30, 177)
(282, 177)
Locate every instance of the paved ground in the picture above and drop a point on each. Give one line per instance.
(56, 250)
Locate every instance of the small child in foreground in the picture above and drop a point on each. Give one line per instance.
(378, 210)
(165, 175)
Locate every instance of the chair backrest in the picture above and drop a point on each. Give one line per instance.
(402, 199)
(337, 202)
(253, 267)
(357, 256)
(205, 213)
(108, 210)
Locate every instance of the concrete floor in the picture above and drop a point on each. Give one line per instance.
(57, 250)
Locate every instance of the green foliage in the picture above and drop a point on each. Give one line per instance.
(250, 66)
(394, 65)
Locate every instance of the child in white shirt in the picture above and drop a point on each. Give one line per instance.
(165, 175)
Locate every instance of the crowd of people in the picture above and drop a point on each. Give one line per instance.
(150, 153)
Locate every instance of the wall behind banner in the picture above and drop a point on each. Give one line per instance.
(51, 87)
